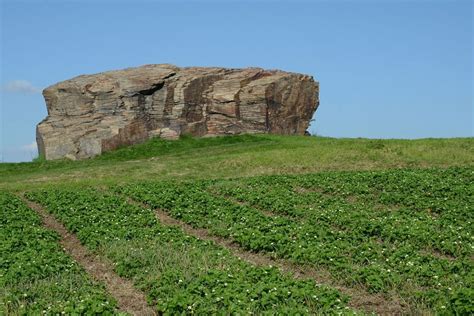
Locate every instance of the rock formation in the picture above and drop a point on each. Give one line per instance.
(91, 114)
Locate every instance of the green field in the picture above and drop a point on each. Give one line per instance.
(350, 226)
(36, 276)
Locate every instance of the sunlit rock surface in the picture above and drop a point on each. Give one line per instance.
(91, 114)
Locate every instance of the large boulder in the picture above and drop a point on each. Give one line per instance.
(91, 114)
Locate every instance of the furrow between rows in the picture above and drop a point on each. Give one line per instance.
(179, 273)
(129, 299)
(360, 299)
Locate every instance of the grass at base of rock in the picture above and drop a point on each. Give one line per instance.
(238, 156)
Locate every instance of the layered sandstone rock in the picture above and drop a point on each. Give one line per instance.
(91, 114)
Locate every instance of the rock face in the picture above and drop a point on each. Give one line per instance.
(91, 114)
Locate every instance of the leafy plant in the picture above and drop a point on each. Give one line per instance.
(191, 275)
(36, 276)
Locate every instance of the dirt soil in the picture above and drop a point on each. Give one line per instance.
(360, 299)
(129, 299)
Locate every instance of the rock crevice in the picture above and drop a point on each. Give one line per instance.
(91, 114)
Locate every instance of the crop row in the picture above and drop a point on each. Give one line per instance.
(352, 247)
(430, 209)
(180, 273)
(36, 276)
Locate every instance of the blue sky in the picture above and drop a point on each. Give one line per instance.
(387, 69)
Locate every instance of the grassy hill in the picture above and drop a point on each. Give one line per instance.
(248, 224)
(239, 156)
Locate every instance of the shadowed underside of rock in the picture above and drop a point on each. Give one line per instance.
(91, 114)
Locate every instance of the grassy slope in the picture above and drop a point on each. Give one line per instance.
(238, 156)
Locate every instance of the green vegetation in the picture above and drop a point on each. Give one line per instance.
(383, 220)
(238, 156)
(36, 276)
(180, 273)
(407, 232)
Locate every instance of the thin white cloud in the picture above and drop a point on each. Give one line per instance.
(19, 153)
(20, 86)
(29, 147)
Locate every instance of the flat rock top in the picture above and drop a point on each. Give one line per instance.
(140, 78)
